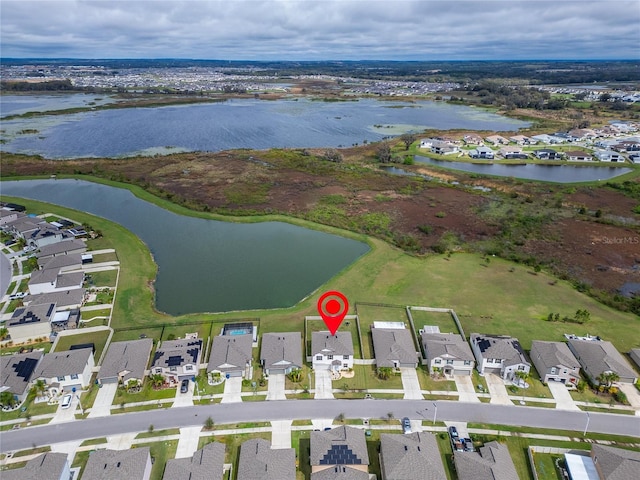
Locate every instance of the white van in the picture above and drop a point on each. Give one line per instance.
(66, 401)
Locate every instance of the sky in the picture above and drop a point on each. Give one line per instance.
(321, 29)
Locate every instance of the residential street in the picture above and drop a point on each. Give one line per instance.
(304, 409)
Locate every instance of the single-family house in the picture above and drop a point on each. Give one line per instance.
(130, 464)
(46, 234)
(8, 216)
(482, 152)
(626, 146)
(281, 353)
(340, 472)
(426, 143)
(29, 323)
(442, 147)
(177, 359)
(635, 356)
(125, 362)
(205, 464)
(499, 354)
(64, 300)
(64, 263)
(66, 247)
(615, 463)
(496, 140)
(473, 139)
(332, 352)
(580, 134)
(522, 140)
(52, 280)
(62, 371)
(511, 151)
(393, 345)
(48, 466)
(555, 362)
(231, 355)
(491, 462)
(547, 154)
(23, 226)
(448, 353)
(578, 156)
(634, 158)
(258, 461)
(599, 357)
(341, 446)
(609, 156)
(16, 371)
(414, 456)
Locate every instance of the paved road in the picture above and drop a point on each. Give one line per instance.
(5, 273)
(304, 409)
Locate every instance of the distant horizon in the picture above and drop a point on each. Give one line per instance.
(195, 59)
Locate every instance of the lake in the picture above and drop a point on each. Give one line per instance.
(207, 265)
(237, 123)
(532, 171)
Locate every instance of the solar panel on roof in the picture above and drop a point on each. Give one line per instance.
(25, 367)
(175, 360)
(340, 455)
(51, 308)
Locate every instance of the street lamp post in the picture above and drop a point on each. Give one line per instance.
(586, 426)
(435, 412)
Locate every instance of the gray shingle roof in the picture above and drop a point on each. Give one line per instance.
(393, 344)
(61, 299)
(16, 370)
(500, 346)
(71, 260)
(48, 466)
(178, 353)
(281, 350)
(32, 314)
(339, 446)
(492, 462)
(446, 345)
(131, 357)
(325, 343)
(205, 464)
(601, 356)
(616, 463)
(635, 356)
(54, 277)
(411, 457)
(340, 472)
(74, 246)
(258, 461)
(117, 464)
(230, 352)
(552, 354)
(67, 362)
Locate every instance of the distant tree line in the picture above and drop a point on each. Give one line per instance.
(47, 86)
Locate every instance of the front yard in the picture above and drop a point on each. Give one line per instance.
(365, 378)
(147, 393)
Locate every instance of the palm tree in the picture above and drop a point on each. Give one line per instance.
(40, 387)
(7, 398)
(607, 379)
(157, 380)
(384, 373)
(523, 376)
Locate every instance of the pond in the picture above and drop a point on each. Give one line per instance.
(207, 265)
(532, 171)
(237, 123)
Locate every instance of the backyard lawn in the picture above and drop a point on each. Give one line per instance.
(99, 340)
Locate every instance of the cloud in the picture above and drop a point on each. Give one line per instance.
(321, 29)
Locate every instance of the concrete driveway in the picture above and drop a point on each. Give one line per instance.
(410, 384)
(633, 396)
(184, 399)
(232, 389)
(66, 414)
(188, 442)
(104, 399)
(563, 398)
(497, 389)
(466, 389)
(275, 387)
(281, 433)
(324, 387)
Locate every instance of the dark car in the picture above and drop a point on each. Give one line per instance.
(453, 431)
(468, 445)
(406, 425)
(184, 386)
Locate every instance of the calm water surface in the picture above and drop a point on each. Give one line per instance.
(206, 265)
(238, 123)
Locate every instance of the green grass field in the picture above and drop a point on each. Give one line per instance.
(99, 339)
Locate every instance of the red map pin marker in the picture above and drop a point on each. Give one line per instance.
(333, 307)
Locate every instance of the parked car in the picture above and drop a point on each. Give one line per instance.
(66, 401)
(184, 386)
(453, 432)
(457, 444)
(468, 445)
(406, 425)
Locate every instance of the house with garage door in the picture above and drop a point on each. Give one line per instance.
(63, 371)
(231, 355)
(555, 362)
(393, 345)
(177, 360)
(448, 353)
(331, 352)
(126, 362)
(491, 462)
(281, 352)
(599, 357)
(499, 354)
(343, 447)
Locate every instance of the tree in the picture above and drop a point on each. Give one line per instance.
(332, 155)
(582, 316)
(39, 388)
(7, 399)
(295, 375)
(607, 379)
(3, 333)
(523, 376)
(384, 373)
(209, 423)
(408, 139)
(157, 380)
(340, 418)
(383, 152)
